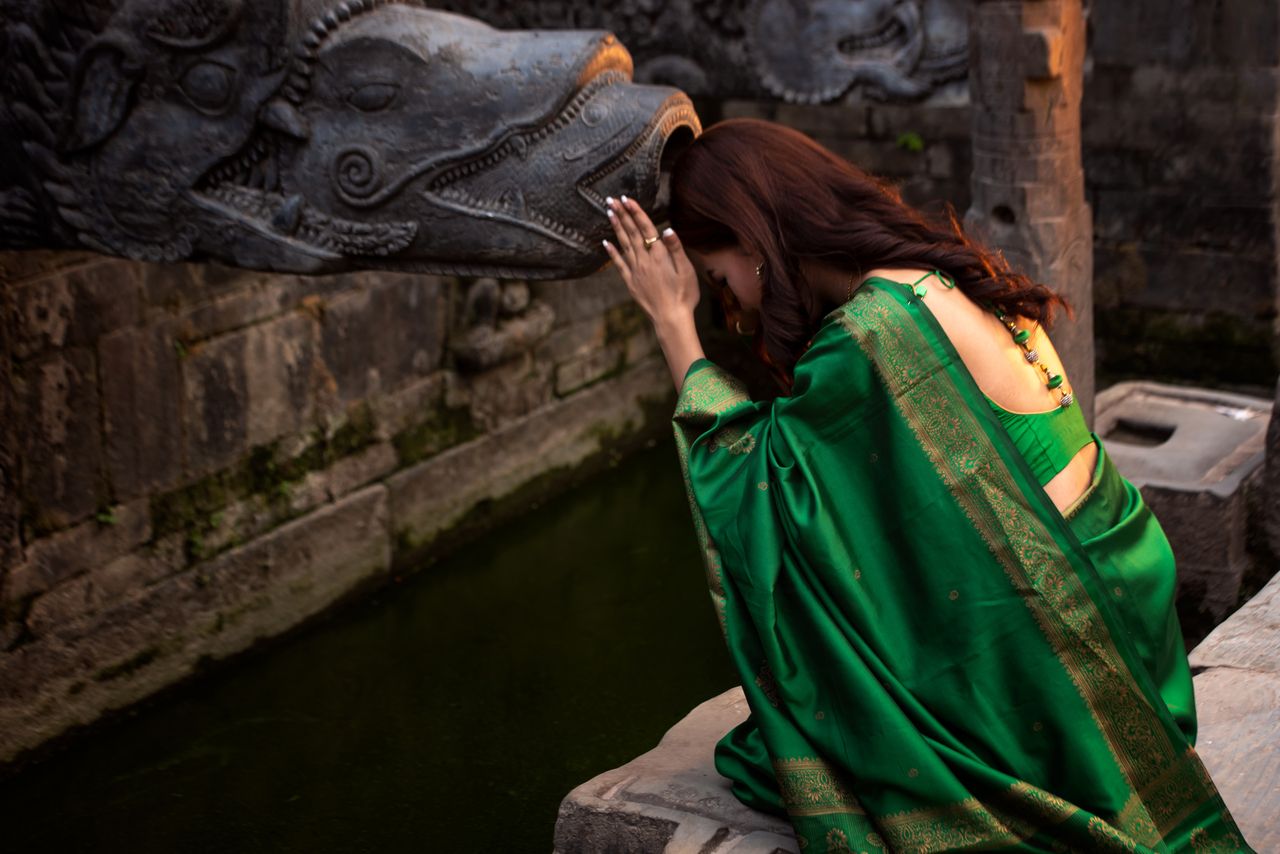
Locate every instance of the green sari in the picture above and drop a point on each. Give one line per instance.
(935, 658)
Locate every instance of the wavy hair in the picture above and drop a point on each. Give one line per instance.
(781, 195)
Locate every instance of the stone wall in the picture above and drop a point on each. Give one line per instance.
(197, 458)
(1179, 121)
(923, 148)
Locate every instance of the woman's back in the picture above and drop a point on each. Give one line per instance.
(1000, 369)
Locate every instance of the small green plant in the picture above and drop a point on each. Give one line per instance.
(911, 141)
(180, 348)
(105, 516)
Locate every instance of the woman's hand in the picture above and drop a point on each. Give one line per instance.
(659, 275)
(661, 279)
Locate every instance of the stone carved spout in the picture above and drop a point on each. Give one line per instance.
(307, 136)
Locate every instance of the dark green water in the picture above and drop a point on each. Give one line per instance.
(450, 712)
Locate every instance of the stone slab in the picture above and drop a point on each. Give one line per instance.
(672, 800)
(1238, 703)
(1195, 454)
(1214, 439)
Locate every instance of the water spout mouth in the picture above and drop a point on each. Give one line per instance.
(675, 144)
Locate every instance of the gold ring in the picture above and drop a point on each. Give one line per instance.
(649, 241)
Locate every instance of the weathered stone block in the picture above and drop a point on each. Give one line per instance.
(483, 346)
(672, 798)
(572, 341)
(1141, 31)
(1234, 32)
(280, 376)
(64, 609)
(575, 373)
(85, 547)
(385, 334)
(74, 306)
(409, 404)
(157, 635)
(216, 403)
(582, 299)
(1238, 708)
(436, 494)
(61, 440)
(506, 392)
(142, 409)
(1194, 454)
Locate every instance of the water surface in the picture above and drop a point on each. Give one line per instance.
(450, 712)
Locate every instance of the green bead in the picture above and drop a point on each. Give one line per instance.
(999, 313)
(920, 290)
(1021, 335)
(1055, 380)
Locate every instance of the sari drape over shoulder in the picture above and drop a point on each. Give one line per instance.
(934, 659)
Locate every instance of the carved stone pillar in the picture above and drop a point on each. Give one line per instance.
(1026, 60)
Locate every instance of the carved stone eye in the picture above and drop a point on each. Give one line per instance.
(208, 85)
(372, 97)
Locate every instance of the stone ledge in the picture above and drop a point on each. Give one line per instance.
(672, 800)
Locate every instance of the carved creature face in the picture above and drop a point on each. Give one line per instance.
(815, 50)
(167, 91)
(425, 140)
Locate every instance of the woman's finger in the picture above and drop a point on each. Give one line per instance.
(624, 242)
(618, 261)
(643, 224)
(675, 251)
(629, 224)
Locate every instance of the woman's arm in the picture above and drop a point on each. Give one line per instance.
(661, 279)
(681, 345)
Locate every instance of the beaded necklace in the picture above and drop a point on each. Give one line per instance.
(1021, 336)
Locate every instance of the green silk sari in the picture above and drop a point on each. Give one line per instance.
(934, 659)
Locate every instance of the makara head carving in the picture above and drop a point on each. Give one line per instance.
(307, 136)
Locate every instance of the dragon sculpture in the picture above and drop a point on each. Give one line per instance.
(316, 136)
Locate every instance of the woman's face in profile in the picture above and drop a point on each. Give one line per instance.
(733, 268)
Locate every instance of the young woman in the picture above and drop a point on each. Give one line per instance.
(952, 617)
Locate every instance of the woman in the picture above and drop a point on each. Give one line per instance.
(952, 618)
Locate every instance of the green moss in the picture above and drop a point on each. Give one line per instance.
(910, 141)
(178, 510)
(447, 426)
(129, 665)
(196, 510)
(410, 553)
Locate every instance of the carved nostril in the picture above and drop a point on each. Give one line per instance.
(279, 114)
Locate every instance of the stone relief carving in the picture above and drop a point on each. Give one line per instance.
(318, 135)
(808, 51)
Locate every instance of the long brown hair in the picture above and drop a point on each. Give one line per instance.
(779, 194)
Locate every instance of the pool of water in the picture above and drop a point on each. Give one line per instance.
(449, 712)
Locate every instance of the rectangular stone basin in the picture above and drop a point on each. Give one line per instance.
(1195, 454)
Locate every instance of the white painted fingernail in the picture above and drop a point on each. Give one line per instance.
(606, 243)
(624, 200)
(611, 214)
(666, 232)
